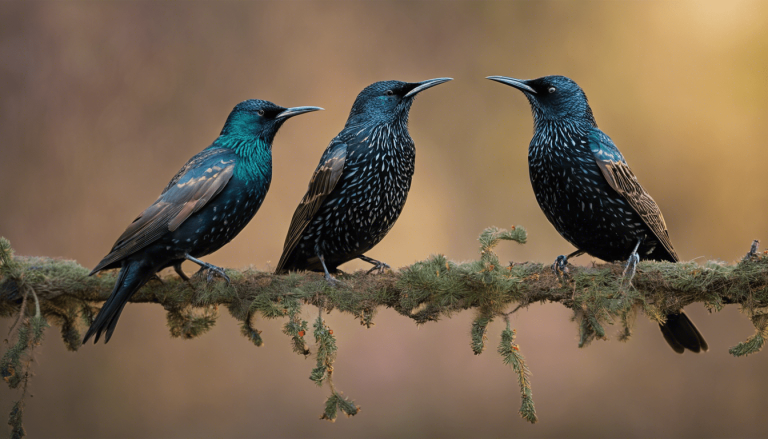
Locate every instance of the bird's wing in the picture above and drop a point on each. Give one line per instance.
(621, 178)
(323, 182)
(201, 179)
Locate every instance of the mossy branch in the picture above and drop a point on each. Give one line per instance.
(38, 290)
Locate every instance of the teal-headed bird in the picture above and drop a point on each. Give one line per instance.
(207, 203)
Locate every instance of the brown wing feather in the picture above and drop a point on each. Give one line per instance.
(202, 190)
(320, 186)
(177, 202)
(621, 178)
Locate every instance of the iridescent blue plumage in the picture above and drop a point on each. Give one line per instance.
(209, 201)
(587, 191)
(360, 186)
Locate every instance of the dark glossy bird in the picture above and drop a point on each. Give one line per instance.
(589, 193)
(207, 203)
(360, 186)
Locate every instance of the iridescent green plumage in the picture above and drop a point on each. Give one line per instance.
(209, 201)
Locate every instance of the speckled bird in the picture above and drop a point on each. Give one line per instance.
(207, 203)
(360, 186)
(589, 193)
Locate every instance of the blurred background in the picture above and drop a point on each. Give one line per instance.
(101, 104)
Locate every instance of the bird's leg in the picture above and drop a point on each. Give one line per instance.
(331, 280)
(377, 265)
(180, 272)
(212, 269)
(561, 263)
(752, 250)
(631, 266)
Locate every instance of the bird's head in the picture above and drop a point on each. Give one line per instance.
(386, 101)
(552, 98)
(257, 119)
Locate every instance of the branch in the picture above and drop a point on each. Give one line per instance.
(424, 291)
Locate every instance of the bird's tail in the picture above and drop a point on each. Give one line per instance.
(132, 276)
(681, 334)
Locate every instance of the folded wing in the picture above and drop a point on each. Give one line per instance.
(323, 182)
(199, 181)
(621, 178)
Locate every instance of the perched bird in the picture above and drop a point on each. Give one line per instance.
(207, 203)
(589, 193)
(359, 188)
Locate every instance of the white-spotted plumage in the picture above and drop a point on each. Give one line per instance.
(368, 198)
(576, 198)
(361, 184)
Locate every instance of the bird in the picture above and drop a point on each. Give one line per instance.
(590, 195)
(206, 204)
(359, 188)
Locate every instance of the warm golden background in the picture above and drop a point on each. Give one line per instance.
(101, 103)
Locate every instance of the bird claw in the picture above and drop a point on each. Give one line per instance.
(211, 271)
(752, 250)
(561, 266)
(630, 269)
(332, 281)
(380, 267)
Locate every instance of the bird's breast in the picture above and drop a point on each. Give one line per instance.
(221, 219)
(376, 190)
(579, 202)
(366, 202)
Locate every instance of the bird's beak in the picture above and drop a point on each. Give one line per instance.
(519, 84)
(426, 84)
(295, 111)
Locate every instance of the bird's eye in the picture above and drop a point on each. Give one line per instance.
(389, 92)
(261, 112)
(552, 89)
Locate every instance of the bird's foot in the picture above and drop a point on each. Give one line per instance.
(560, 267)
(211, 271)
(752, 250)
(332, 281)
(377, 265)
(630, 269)
(204, 266)
(217, 271)
(380, 267)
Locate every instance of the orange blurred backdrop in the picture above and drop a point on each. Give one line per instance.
(101, 104)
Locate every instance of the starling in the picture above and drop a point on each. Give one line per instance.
(589, 193)
(207, 203)
(359, 188)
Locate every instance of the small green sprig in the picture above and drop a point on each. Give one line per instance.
(510, 353)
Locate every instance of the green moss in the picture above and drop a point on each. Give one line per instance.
(425, 291)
